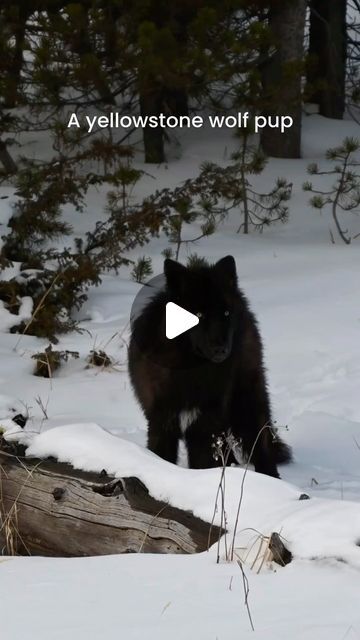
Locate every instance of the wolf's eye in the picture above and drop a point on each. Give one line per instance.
(226, 314)
(199, 314)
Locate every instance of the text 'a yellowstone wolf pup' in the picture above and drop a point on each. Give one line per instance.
(209, 380)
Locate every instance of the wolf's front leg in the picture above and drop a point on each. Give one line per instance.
(250, 418)
(163, 434)
(200, 437)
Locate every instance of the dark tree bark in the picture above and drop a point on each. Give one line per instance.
(82, 45)
(176, 102)
(281, 77)
(327, 49)
(13, 76)
(6, 159)
(166, 92)
(151, 105)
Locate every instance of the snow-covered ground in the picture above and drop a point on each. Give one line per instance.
(305, 292)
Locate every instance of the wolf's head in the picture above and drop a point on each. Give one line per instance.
(211, 293)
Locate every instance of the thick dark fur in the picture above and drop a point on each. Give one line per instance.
(213, 374)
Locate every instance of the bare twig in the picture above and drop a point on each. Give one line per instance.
(150, 524)
(38, 307)
(43, 407)
(246, 593)
(266, 426)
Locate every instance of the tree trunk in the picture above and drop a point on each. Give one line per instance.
(176, 102)
(12, 80)
(327, 49)
(281, 77)
(6, 159)
(49, 508)
(83, 46)
(151, 105)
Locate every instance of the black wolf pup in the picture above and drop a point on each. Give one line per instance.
(209, 380)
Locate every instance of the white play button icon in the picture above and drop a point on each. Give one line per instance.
(178, 320)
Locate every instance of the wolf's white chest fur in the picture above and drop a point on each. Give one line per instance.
(187, 417)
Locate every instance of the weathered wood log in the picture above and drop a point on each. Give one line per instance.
(49, 508)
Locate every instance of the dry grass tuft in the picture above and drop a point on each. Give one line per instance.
(98, 358)
(48, 361)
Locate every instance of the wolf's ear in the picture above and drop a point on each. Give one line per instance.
(175, 274)
(226, 268)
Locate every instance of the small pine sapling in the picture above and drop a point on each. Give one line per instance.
(233, 185)
(206, 200)
(190, 204)
(142, 269)
(259, 209)
(176, 223)
(193, 260)
(344, 194)
(55, 279)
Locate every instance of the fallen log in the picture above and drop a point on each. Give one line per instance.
(48, 508)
